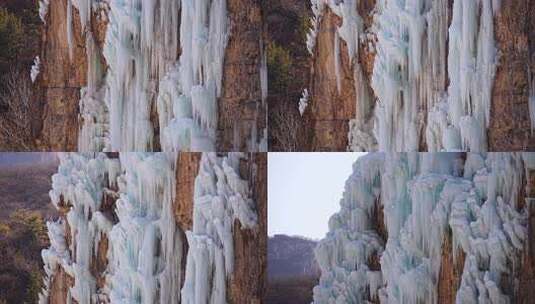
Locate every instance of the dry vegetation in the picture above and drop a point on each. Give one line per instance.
(290, 290)
(288, 72)
(20, 28)
(16, 114)
(24, 208)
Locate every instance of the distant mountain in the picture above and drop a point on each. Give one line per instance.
(290, 256)
(26, 158)
(292, 270)
(25, 180)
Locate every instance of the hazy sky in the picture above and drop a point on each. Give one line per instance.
(304, 190)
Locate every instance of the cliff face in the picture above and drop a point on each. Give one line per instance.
(247, 282)
(240, 109)
(331, 109)
(510, 125)
(61, 80)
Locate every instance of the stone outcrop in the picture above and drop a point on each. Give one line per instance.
(248, 283)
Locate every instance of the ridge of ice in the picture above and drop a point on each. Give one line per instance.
(422, 197)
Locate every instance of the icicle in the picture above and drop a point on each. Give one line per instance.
(35, 68)
(221, 197)
(303, 102)
(422, 196)
(195, 82)
(78, 187)
(43, 9)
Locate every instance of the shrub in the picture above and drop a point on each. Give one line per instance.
(15, 112)
(279, 63)
(11, 36)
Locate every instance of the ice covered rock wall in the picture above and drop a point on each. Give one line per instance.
(399, 211)
(220, 198)
(155, 79)
(78, 191)
(125, 237)
(437, 81)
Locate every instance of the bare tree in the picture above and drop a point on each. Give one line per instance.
(15, 114)
(286, 127)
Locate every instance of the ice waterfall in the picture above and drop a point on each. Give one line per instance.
(395, 257)
(414, 103)
(221, 197)
(161, 65)
(127, 200)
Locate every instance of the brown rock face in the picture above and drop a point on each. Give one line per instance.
(60, 285)
(186, 172)
(525, 290)
(240, 105)
(62, 77)
(248, 282)
(510, 126)
(331, 107)
(451, 270)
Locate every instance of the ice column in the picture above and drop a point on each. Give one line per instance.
(422, 196)
(187, 97)
(146, 244)
(78, 187)
(221, 198)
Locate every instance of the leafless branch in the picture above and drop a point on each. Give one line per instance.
(15, 114)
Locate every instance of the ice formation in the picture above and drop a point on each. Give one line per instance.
(411, 71)
(221, 198)
(43, 9)
(163, 57)
(352, 33)
(78, 187)
(303, 102)
(396, 257)
(129, 201)
(146, 244)
(35, 68)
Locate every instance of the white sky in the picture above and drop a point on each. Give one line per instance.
(304, 190)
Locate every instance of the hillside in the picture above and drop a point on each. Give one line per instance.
(24, 207)
(292, 270)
